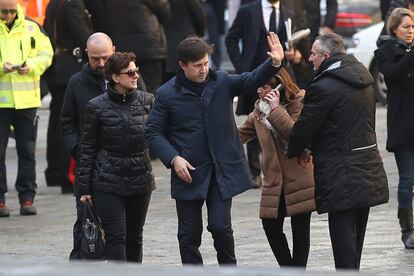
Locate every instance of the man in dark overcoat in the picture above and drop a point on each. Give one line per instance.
(191, 128)
(337, 124)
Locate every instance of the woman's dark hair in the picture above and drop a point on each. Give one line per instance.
(193, 49)
(291, 89)
(395, 19)
(116, 63)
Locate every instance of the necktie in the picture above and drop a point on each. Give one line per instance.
(272, 21)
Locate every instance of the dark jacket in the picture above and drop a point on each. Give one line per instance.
(68, 25)
(114, 154)
(133, 25)
(188, 19)
(338, 124)
(203, 131)
(82, 87)
(313, 14)
(396, 61)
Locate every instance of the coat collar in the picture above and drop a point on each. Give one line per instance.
(211, 74)
(121, 98)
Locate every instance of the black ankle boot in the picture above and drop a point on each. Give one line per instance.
(405, 215)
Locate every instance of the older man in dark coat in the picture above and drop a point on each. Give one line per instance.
(337, 124)
(192, 129)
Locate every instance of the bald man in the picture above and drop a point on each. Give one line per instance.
(25, 53)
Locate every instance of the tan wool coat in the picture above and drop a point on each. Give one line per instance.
(279, 172)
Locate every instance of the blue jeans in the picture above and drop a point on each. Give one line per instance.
(405, 164)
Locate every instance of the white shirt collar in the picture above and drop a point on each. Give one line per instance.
(266, 4)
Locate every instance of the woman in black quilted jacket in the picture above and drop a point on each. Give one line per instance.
(115, 170)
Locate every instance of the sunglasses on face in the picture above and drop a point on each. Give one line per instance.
(5, 12)
(131, 73)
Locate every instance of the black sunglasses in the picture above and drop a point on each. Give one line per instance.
(5, 12)
(131, 73)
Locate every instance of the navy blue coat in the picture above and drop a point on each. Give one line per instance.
(203, 131)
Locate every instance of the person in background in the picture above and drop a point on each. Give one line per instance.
(393, 4)
(395, 57)
(337, 124)
(82, 87)
(115, 170)
(214, 10)
(68, 26)
(251, 26)
(136, 26)
(288, 188)
(189, 19)
(192, 130)
(26, 53)
(313, 14)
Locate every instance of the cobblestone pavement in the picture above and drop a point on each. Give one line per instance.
(46, 238)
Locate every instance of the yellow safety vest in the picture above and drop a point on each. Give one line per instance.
(25, 42)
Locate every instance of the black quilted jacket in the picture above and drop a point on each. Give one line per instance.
(114, 154)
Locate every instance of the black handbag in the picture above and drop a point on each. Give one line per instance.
(93, 235)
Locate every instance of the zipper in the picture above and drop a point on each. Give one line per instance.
(364, 148)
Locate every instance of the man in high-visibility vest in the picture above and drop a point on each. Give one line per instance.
(25, 53)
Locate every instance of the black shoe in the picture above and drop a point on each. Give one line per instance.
(27, 208)
(408, 240)
(67, 189)
(4, 212)
(257, 182)
(52, 184)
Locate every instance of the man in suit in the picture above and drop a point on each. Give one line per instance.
(251, 31)
(191, 129)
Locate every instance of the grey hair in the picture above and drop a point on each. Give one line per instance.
(331, 43)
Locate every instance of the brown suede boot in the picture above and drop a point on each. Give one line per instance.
(405, 215)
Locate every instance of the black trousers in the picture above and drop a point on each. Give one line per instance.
(253, 156)
(123, 219)
(347, 231)
(24, 122)
(278, 242)
(57, 155)
(190, 227)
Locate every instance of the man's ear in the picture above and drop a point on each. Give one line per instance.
(182, 64)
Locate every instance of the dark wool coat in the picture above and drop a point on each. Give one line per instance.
(68, 26)
(203, 131)
(133, 25)
(396, 61)
(188, 19)
(338, 124)
(114, 154)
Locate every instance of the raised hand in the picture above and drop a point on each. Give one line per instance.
(276, 50)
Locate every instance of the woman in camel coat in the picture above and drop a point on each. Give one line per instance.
(288, 189)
